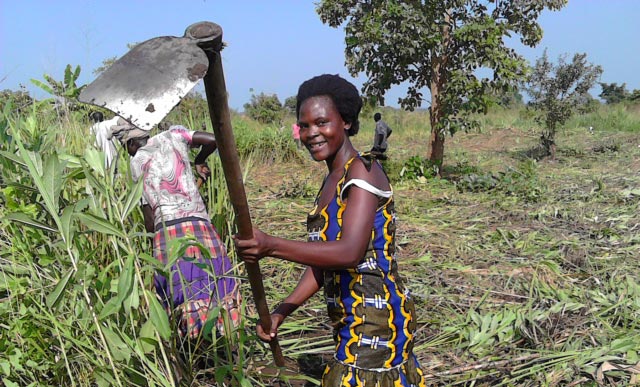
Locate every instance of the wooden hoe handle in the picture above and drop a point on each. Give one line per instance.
(209, 37)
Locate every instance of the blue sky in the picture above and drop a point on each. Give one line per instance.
(272, 45)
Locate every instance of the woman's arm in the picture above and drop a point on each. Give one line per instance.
(147, 213)
(310, 282)
(345, 253)
(207, 142)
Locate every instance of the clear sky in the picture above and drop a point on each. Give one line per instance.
(272, 45)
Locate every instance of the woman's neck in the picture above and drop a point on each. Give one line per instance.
(341, 157)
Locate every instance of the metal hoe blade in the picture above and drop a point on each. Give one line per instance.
(147, 82)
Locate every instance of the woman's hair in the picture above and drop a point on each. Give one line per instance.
(96, 116)
(343, 93)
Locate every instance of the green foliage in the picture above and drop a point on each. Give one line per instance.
(67, 88)
(557, 91)
(531, 281)
(65, 94)
(418, 169)
(510, 98)
(266, 144)
(522, 182)
(18, 99)
(290, 105)
(616, 118)
(106, 63)
(265, 108)
(438, 45)
(612, 93)
(75, 274)
(194, 107)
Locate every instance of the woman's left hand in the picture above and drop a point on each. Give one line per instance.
(203, 171)
(252, 250)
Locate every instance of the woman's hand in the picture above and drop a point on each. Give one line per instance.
(276, 320)
(203, 171)
(252, 250)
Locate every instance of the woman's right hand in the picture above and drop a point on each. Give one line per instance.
(276, 320)
(252, 250)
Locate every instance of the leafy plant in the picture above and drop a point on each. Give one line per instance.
(265, 108)
(438, 45)
(417, 168)
(557, 91)
(520, 182)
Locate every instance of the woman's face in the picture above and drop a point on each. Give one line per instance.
(322, 129)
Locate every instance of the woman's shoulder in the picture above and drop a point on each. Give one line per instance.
(369, 170)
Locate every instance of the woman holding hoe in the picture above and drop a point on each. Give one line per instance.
(350, 249)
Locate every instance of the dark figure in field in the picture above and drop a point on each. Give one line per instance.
(382, 132)
(173, 208)
(101, 131)
(350, 249)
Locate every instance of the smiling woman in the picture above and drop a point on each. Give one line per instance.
(350, 249)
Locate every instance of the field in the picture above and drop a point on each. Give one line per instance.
(524, 271)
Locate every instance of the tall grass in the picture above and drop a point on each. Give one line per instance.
(75, 273)
(524, 273)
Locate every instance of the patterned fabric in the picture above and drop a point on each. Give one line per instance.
(191, 283)
(370, 309)
(169, 185)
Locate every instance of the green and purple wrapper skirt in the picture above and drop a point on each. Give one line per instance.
(190, 288)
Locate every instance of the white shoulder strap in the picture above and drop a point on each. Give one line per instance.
(367, 187)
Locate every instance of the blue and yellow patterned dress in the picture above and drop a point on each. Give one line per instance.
(370, 308)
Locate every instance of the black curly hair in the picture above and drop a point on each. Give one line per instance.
(96, 116)
(343, 93)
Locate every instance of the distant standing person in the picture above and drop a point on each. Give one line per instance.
(295, 131)
(101, 130)
(383, 131)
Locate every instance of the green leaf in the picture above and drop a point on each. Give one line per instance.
(100, 225)
(119, 350)
(52, 178)
(133, 300)
(13, 158)
(95, 159)
(26, 220)
(5, 367)
(125, 282)
(147, 340)
(43, 86)
(132, 200)
(68, 76)
(104, 379)
(112, 306)
(9, 383)
(65, 223)
(159, 316)
(53, 298)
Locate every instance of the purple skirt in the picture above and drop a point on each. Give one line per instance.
(188, 280)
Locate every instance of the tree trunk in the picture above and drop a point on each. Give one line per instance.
(438, 79)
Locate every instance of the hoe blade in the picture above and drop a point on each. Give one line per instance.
(148, 81)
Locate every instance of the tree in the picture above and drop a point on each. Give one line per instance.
(557, 91)
(265, 108)
(612, 93)
(290, 104)
(438, 46)
(106, 63)
(19, 99)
